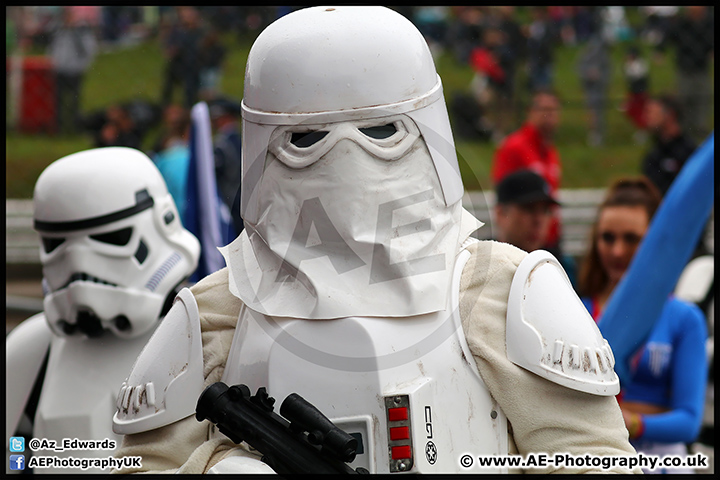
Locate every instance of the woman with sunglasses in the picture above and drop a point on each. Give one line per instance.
(662, 405)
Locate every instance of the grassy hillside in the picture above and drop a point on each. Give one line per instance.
(136, 72)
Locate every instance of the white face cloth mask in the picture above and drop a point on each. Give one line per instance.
(350, 225)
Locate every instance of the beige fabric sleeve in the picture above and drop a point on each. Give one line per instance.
(544, 417)
(183, 446)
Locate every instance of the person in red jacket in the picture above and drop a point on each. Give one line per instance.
(531, 147)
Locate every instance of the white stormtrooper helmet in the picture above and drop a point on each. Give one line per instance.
(113, 248)
(351, 190)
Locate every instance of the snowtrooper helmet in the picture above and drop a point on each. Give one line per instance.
(113, 248)
(325, 65)
(351, 191)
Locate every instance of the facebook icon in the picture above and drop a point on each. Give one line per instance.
(17, 462)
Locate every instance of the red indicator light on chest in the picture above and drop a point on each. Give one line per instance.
(400, 452)
(399, 433)
(397, 414)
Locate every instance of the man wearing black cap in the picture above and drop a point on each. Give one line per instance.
(523, 212)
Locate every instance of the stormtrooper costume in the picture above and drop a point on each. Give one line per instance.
(356, 283)
(114, 255)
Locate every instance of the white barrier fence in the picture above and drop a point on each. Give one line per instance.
(578, 212)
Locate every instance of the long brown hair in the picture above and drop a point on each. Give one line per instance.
(627, 192)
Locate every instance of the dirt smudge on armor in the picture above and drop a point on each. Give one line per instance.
(600, 361)
(421, 367)
(586, 361)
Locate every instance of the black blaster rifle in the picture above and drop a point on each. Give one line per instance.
(285, 446)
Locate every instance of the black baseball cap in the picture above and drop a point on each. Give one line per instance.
(523, 187)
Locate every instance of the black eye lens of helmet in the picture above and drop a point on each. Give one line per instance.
(307, 139)
(117, 237)
(380, 132)
(50, 244)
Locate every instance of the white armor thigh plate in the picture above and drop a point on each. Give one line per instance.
(408, 385)
(79, 393)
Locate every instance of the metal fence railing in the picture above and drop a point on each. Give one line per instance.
(578, 212)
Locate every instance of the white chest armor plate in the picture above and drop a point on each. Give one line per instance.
(79, 393)
(409, 386)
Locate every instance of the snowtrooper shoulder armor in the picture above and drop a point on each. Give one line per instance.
(550, 333)
(167, 377)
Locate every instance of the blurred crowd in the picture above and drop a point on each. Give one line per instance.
(193, 41)
(71, 37)
(511, 58)
(511, 50)
(32, 27)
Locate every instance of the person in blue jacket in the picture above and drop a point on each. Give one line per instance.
(663, 402)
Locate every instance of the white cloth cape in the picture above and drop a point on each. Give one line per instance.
(362, 231)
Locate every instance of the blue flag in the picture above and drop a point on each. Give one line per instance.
(673, 234)
(207, 217)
